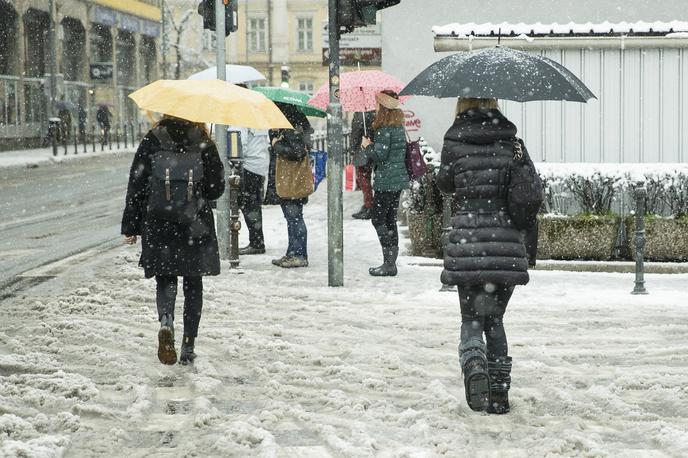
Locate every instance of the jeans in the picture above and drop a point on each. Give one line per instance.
(166, 295)
(384, 217)
(482, 311)
(250, 202)
(296, 228)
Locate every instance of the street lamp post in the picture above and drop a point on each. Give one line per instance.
(640, 194)
(223, 203)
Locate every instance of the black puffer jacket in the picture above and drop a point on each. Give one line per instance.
(484, 246)
(170, 248)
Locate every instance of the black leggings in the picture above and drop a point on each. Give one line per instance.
(166, 294)
(384, 217)
(482, 311)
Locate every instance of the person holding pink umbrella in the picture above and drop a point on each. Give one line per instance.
(387, 154)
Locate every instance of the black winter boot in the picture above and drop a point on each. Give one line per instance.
(363, 213)
(476, 379)
(500, 382)
(187, 354)
(389, 265)
(166, 352)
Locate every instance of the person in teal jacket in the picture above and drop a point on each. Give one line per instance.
(387, 154)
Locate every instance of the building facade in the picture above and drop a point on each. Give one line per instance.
(102, 50)
(638, 74)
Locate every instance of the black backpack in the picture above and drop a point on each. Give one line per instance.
(524, 190)
(175, 192)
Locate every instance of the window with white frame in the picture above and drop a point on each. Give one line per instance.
(209, 40)
(304, 33)
(257, 34)
(306, 86)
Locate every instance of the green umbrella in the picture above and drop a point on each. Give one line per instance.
(291, 97)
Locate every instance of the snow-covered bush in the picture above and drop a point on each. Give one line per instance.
(675, 194)
(596, 188)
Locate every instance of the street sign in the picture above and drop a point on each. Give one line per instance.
(101, 71)
(362, 46)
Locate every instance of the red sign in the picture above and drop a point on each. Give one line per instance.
(411, 121)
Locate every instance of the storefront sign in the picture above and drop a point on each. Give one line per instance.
(101, 71)
(103, 16)
(129, 23)
(150, 28)
(411, 121)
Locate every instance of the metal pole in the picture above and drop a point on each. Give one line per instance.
(164, 41)
(53, 57)
(335, 165)
(223, 203)
(640, 195)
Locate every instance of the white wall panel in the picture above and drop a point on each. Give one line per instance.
(670, 119)
(631, 106)
(649, 97)
(592, 111)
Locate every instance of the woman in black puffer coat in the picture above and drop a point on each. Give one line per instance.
(485, 255)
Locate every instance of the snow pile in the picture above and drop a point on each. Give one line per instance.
(588, 28)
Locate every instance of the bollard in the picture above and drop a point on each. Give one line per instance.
(76, 141)
(117, 136)
(133, 141)
(83, 139)
(640, 195)
(126, 140)
(139, 125)
(65, 141)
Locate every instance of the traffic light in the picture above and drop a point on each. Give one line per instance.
(207, 10)
(360, 13)
(285, 76)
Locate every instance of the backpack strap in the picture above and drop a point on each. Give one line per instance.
(164, 138)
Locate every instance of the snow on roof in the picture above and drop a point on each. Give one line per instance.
(572, 28)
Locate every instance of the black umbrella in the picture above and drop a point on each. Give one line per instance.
(501, 73)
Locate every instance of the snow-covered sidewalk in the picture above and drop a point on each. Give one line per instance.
(289, 367)
(37, 156)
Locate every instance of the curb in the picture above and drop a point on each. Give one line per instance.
(580, 266)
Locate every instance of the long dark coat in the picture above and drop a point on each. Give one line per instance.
(484, 246)
(170, 248)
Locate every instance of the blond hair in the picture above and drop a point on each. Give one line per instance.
(475, 103)
(200, 125)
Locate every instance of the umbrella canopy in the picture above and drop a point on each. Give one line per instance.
(291, 97)
(214, 101)
(65, 105)
(501, 73)
(235, 74)
(357, 90)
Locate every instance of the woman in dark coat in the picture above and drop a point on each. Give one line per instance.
(485, 255)
(172, 249)
(293, 145)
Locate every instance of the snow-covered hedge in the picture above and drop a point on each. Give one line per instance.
(594, 188)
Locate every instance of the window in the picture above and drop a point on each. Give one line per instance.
(305, 34)
(306, 86)
(256, 35)
(209, 40)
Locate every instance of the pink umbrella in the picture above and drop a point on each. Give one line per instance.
(357, 90)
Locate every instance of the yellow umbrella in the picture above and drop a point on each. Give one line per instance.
(214, 101)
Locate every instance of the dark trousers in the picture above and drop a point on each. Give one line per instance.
(482, 311)
(296, 228)
(384, 217)
(166, 295)
(250, 202)
(363, 178)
